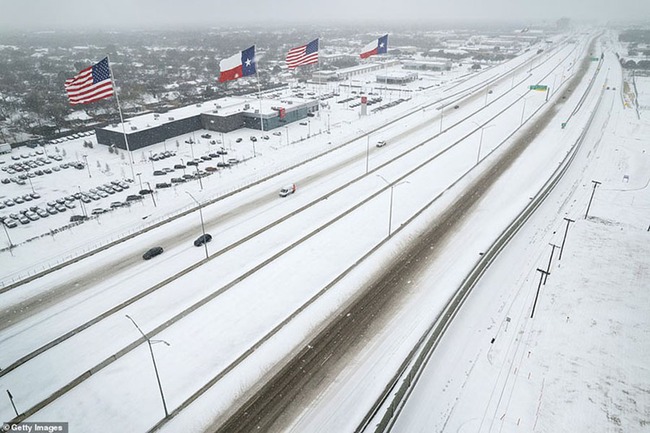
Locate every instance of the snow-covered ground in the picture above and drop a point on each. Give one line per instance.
(274, 293)
(580, 364)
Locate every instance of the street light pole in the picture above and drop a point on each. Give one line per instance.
(198, 176)
(11, 245)
(153, 359)
(390, 208)
(87, 166)
(31, 184)
(139, 179)
(151, 194)
(442, 113)
(367, 152)
(81, 203)
(523, 110)
(480, 142)
(205, 244)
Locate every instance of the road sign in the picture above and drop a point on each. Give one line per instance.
(539, 87)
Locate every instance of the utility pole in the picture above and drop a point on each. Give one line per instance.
(543, 273)
(566, 230)
(596, 183)
(550, 260)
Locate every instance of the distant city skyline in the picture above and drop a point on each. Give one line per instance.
(38, 15)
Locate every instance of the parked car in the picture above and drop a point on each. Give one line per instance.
(163, 185)
(152, 252)
(238, 140)
(134, 198)
(10, 223)
(159, 173)
(76, 218)
(203, 239)
(381, 143)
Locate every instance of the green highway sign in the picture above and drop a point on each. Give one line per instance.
(539, 87)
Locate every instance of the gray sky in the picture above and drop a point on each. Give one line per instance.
(70, 14)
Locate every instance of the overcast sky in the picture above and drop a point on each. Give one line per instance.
(137, 14)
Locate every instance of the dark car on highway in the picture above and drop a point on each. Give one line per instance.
(152, 252)
(203, 239)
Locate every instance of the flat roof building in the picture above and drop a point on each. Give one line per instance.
(221, 115)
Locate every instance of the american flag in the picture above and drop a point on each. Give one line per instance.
(91, 84)
(303, 55)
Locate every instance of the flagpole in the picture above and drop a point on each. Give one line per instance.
(259, 89)
(319, 78)
(119, 108)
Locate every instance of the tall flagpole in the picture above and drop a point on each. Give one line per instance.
(319, 78)
(259, 89)
(126, 140)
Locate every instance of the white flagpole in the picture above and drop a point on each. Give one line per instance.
(126, 140)
(319, 78)
(259, 89)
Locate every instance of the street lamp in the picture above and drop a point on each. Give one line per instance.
(87, 166)
(205, 243)
(11, 245)
(523, 110)
(153, 359)
(480, 142)
(442, 113)
(390, 208)
(367, 152)
(30, 183)
(151, 194)
(287, 131)
(139, 179)
(81, 203)
(198, 176)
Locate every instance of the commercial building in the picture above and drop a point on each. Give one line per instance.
(427, 65)
(221, 115)
(345, 73)
(397, 77)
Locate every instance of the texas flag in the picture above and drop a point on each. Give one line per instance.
(378, 46)
(240, 65)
